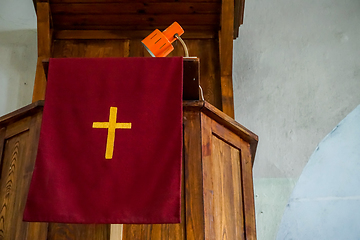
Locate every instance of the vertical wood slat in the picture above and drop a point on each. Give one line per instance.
(238, 211)
(248, 190)
(44, 49)
(208, 191)
(226, 56)
(11, 225)
(193, 179)
(223, 208)
(2, 143)
(239, 8)
(60, 231)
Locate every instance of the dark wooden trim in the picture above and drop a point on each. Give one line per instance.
(44, 24)
(248, 194)
(2, 145)
(238, 16)
(226, 55)
(194, 205)
(22, 113)
(191, 79)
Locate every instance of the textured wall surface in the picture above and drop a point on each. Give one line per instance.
(325, 204)
(18, 55)
(296, 75)
(17, 15)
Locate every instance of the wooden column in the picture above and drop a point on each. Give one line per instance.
(44, 49)
(226, 56)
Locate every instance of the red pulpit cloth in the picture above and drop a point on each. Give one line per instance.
(110, 145)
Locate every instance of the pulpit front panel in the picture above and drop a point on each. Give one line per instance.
(223, 202)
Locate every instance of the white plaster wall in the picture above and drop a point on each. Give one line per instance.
(325, 203)
(296, 75)
(17, 15)
(18, 53)
(18, 56)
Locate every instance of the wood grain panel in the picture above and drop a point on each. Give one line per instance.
(37, 231)
(137, 8)
(153, 232)
(18, 146)
(208, 188)
(248, 191)
(91, 48)
(12, 196)
(238, 212)
(59, 231)
(2, 144)
(136, 48)
(222, 185)
(193, 177)
(207, 51)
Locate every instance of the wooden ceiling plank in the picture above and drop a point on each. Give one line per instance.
(127, 34)
(135, 19)
(136, 8)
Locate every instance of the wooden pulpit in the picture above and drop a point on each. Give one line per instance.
(217, 188)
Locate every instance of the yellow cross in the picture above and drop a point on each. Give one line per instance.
(111, 126)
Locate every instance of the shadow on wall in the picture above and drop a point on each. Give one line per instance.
(325, 204)
(18, 56)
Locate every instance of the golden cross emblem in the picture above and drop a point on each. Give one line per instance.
(112, 125)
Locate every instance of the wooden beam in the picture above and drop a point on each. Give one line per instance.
(248, 192)
(125, 34)
(64, 21)
(137, 8)
(44, 48)
(226, 56)
(238, 16)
